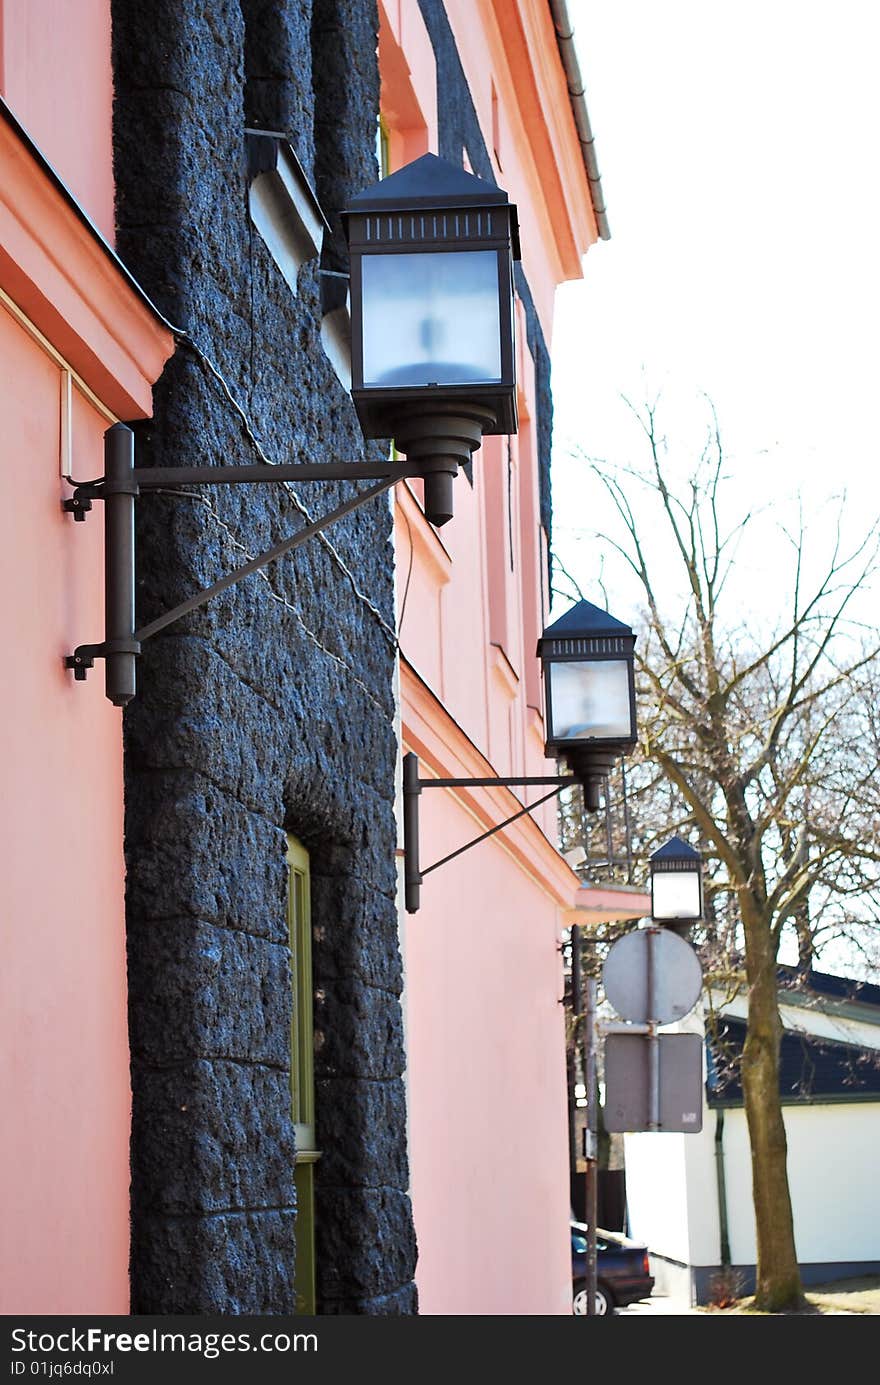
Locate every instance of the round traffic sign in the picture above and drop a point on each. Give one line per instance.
(652, 969)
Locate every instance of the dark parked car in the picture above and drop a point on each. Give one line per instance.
(623, 1273)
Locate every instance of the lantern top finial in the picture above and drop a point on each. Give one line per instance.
(584, 619)
(428, 182)
(586, 628)
(676, 849)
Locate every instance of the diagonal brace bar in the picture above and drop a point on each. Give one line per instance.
(119, 487)
(492, 830)
(285, 546)
(412, 788)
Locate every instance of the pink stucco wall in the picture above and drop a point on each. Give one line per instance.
(56, 75)
(70, 329)
(486, 1081)
(486, 1077)
(64, 1084)
(508, 52)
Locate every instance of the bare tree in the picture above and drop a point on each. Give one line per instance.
(768, 736)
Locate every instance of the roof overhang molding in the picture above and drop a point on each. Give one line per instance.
(67, 281)
(607, 904)
(540, 92)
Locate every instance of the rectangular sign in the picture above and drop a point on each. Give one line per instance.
(626, 1083)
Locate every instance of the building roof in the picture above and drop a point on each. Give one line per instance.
(817, 983)
(811, 1069)
(577, 97)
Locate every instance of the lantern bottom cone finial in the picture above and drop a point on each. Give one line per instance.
(441, 438)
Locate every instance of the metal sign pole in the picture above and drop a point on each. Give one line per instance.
(591, 1142)
(577, 1006)
(653, 1036)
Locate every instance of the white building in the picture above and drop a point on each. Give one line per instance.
(689, 1196)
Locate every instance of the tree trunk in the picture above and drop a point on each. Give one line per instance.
(778, 1286)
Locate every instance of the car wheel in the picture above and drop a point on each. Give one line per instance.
(604, 1301)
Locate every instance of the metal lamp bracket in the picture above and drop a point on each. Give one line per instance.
(413, 875)
(118, 488)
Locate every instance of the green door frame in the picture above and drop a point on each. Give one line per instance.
(302, 1071)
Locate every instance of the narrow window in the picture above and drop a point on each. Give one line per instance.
(383, 147)
(302, 1072)
(496, 128)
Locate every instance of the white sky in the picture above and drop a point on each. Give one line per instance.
(739, 148)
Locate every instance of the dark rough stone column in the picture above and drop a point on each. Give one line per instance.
(278, 85)
(268, 710)
(460, 130)
(365, 1239)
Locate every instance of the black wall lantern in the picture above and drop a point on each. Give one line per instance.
(591, 720)
(432, 249)
(589, 682)
(676, 884)
(432, 350)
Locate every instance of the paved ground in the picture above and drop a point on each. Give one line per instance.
(849, 1297)
(657, 1304)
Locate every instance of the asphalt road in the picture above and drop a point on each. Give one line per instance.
(656, 1305)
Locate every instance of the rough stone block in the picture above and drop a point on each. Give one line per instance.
(235, 1263)
(199, 991)
(212, 1136)
(358, 1031)
(365, 1244)
(358, 1127)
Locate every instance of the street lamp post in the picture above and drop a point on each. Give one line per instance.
(591, 1139)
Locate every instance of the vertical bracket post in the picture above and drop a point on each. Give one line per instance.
(119, 491)
(412, 876)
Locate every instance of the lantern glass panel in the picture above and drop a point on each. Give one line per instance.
(675, 894)
(431, 319)
(589, 700)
